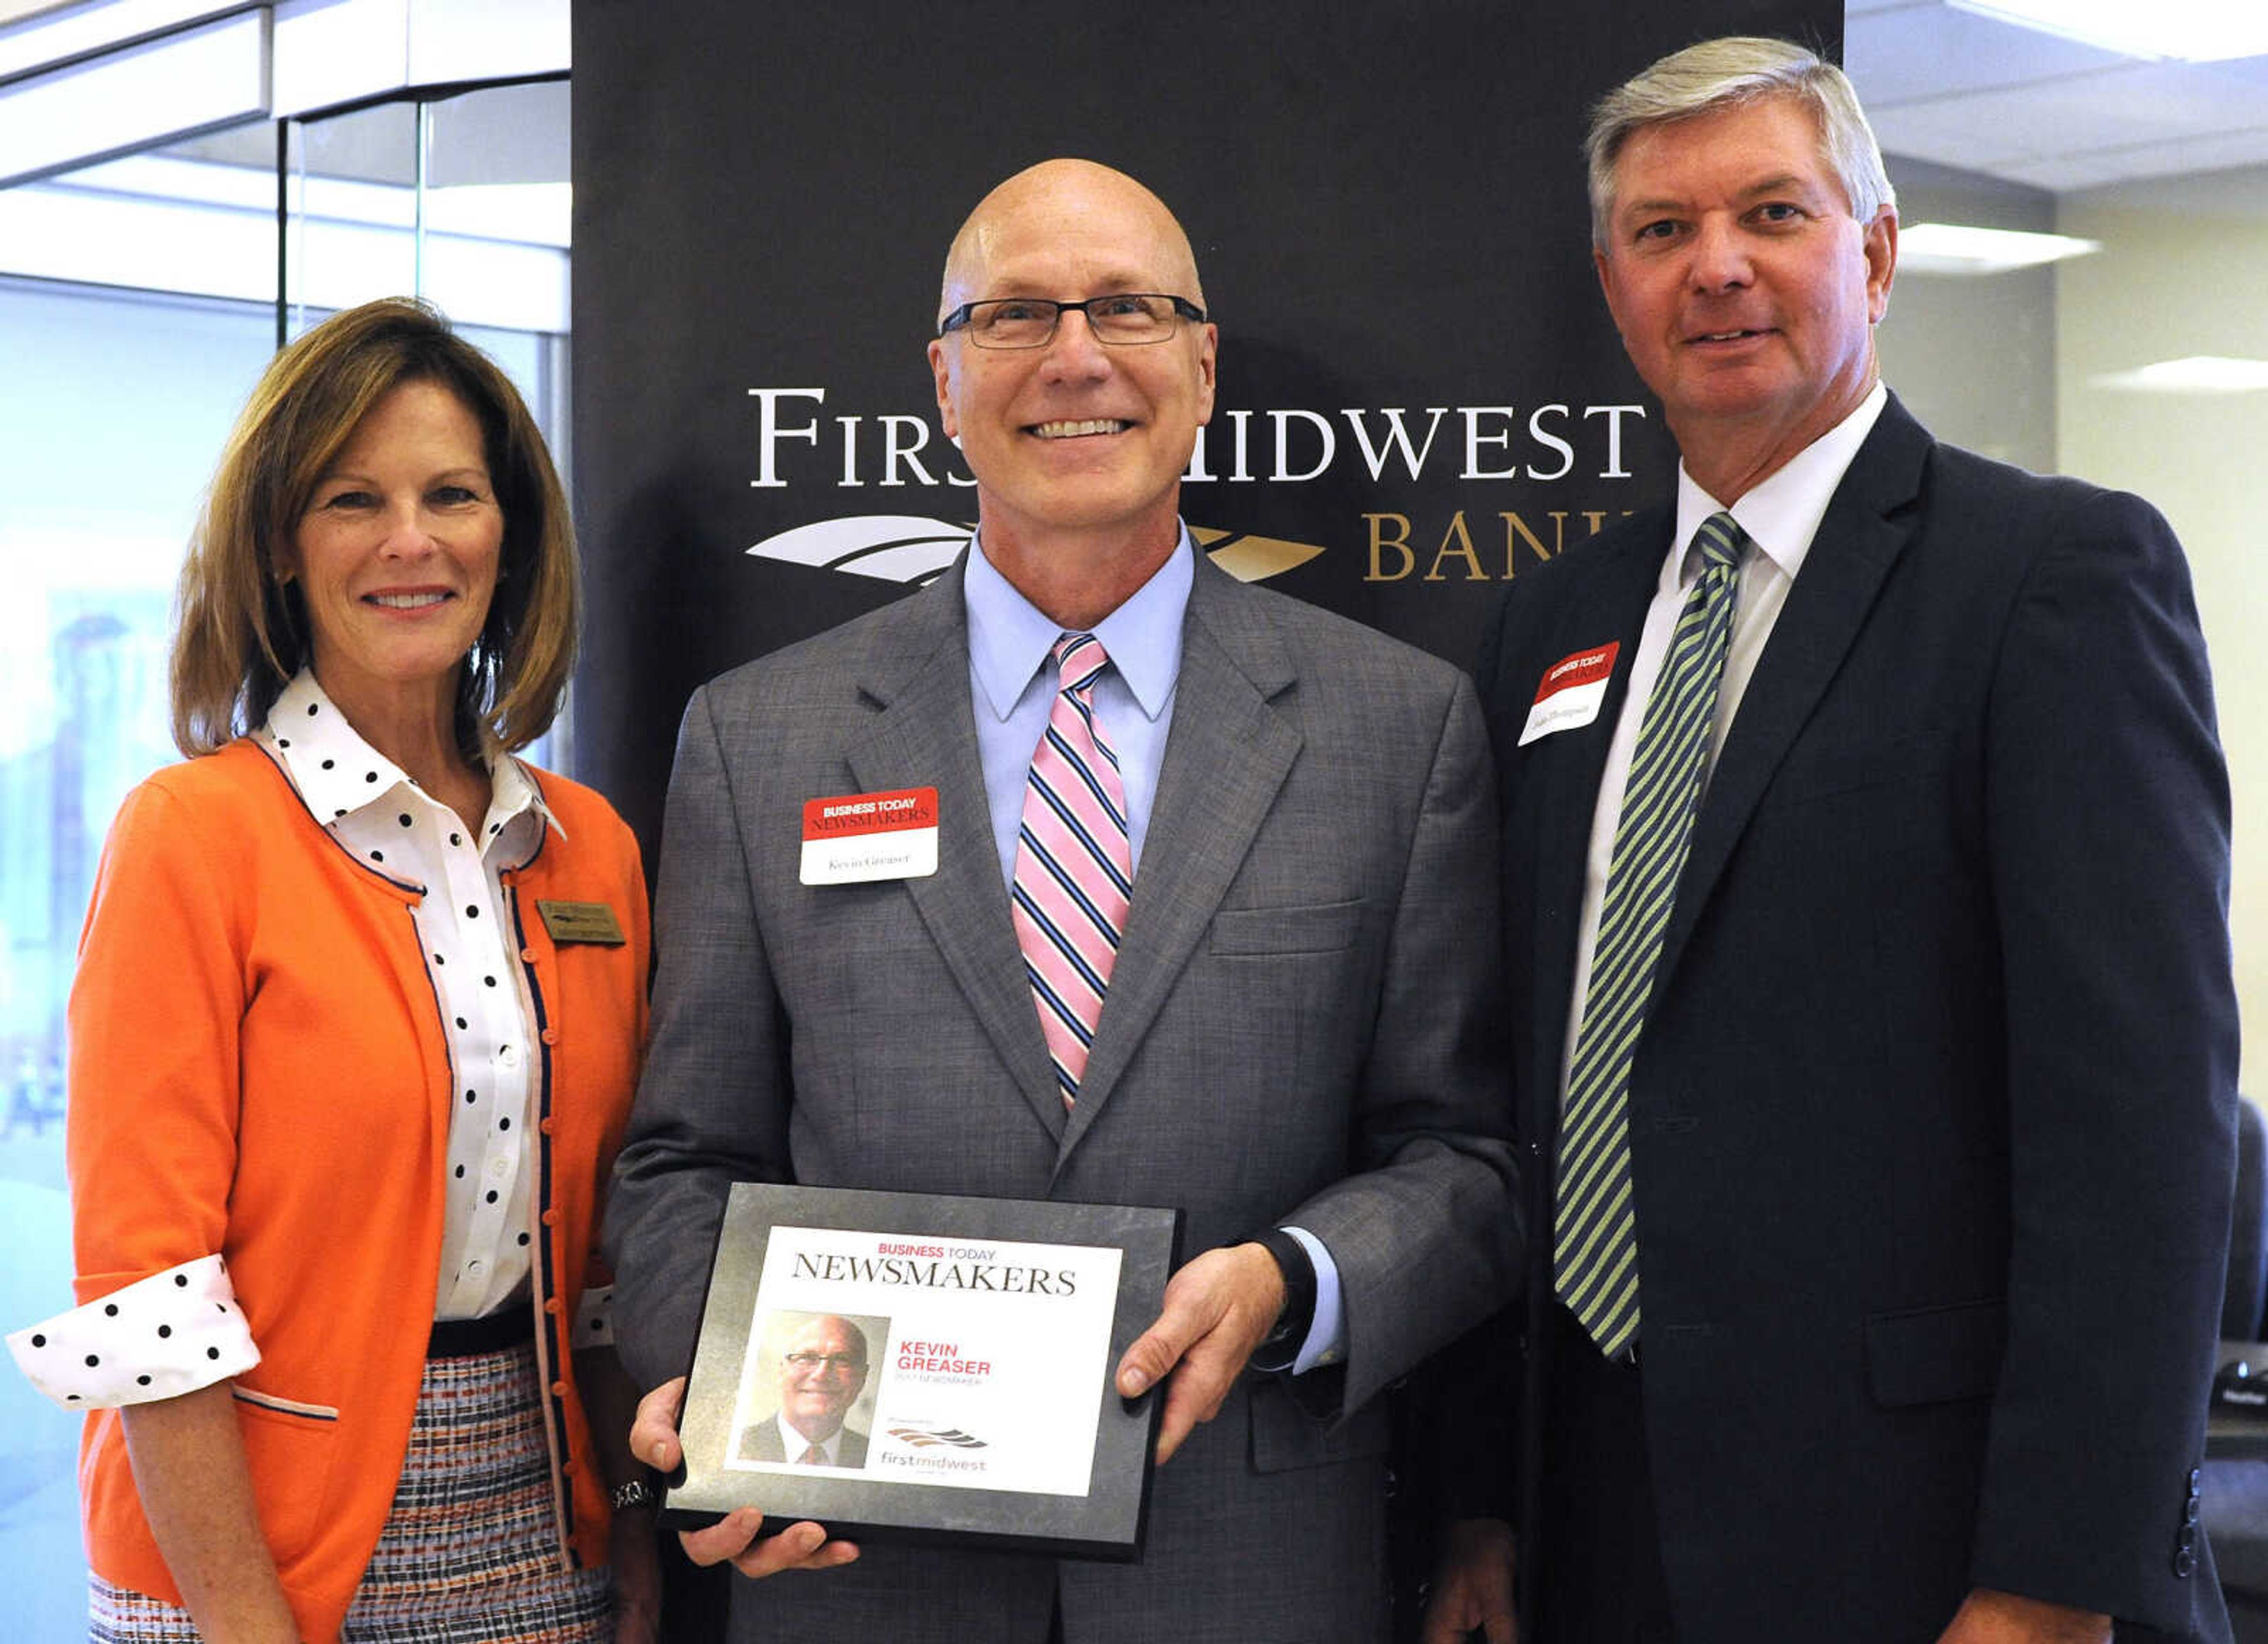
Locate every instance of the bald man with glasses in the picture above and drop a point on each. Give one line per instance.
(1210, 925)
(822, 1371)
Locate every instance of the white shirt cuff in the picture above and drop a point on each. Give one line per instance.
(158, 1337)
(594, 1318)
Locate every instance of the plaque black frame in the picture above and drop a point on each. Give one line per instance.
(1110, 1523)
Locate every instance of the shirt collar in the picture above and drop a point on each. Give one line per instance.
(1781, 516)
(338, 773)
(1009, 637)
(794, 1440)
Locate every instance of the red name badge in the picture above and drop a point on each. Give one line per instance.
(849, 839)
(1571, 691)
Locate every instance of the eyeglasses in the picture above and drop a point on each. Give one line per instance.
(1123, 319)
(807, 1361)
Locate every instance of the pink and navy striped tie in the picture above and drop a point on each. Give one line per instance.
(1074, 866)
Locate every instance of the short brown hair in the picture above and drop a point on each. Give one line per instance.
(241, 631)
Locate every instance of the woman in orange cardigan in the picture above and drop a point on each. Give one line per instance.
(354, 1031)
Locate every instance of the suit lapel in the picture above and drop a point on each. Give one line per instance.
(924, 735)
(1856, 544)
(1611, 606)
(1225, 757)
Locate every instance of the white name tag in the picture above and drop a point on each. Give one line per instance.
(1571, 691)
(852, 838)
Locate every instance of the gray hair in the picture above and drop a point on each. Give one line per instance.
(1719, 73)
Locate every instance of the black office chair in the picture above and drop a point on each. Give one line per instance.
(2236, 1491)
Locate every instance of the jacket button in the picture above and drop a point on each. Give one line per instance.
(551, 1218)
(2197, 1475)
(545, 1126)
(529, 954)
(559, 1390)
(2184, 1562)
(551, 1304)
(2190, 1511)
(551, 1035)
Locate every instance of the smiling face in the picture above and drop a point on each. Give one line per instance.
(821, 1370)
(1745, 292)
(1076, 440)
(397, 551)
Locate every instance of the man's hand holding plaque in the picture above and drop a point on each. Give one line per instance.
(737, 1537)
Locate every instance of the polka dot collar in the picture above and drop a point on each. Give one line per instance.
(338, 773)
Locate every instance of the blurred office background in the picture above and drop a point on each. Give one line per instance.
(183, 184)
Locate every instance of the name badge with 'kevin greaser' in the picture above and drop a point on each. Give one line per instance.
(852, 839)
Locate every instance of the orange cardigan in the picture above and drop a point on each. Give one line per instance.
(257, 1069)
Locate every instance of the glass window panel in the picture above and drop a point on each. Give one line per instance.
(102, 465)
(131, 362)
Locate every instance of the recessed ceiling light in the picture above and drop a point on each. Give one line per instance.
(2196, 374)
(1955, 248)
(2196, 30)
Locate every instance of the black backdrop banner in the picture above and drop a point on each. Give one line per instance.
(1420, 393)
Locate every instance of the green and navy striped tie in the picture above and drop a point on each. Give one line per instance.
(1595, 1257)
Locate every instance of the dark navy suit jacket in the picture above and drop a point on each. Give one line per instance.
(1933, 1117)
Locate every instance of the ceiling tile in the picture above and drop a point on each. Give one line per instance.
(1933, 52)
(1960, 90)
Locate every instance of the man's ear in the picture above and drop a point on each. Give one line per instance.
(1881, 245)
(940, 365)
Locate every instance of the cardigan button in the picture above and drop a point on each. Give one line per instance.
(551, 1035)
(559, 1390)
(546, 1126)
(529, 954)
(551, 1218)
(551, 1304)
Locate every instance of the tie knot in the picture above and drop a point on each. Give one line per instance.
(1079, 658)
(1718, 542)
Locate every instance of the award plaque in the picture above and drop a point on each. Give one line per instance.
(925, 1368)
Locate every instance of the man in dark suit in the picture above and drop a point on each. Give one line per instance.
(1866, 849)
(821, 1371)
(1209, 925)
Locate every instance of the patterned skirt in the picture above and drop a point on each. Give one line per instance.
(470, 1552)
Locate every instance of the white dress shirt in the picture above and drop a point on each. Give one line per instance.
(1781, 516)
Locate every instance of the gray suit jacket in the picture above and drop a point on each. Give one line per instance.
(1299, 1029)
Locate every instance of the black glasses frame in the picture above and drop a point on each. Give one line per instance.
(959, 317)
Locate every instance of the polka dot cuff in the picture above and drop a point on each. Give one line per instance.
(594, 1317)
(158, 1337)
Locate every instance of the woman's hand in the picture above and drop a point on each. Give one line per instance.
(637, 1570)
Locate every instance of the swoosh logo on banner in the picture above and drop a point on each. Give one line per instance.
(909, 548)
(923, 1438)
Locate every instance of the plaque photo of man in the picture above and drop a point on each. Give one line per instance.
(805, 1401)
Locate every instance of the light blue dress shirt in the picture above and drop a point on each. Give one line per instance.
(1012, 687)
